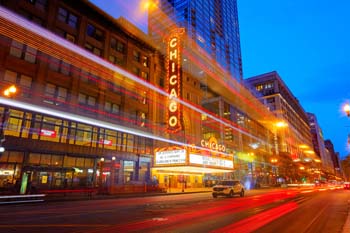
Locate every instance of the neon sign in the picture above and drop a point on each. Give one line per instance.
(174, 80)
(212, 144)
(48, 133)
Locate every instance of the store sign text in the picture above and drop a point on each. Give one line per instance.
(48, 133)
(105, 142)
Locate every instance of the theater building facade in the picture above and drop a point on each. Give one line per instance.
(100, 105)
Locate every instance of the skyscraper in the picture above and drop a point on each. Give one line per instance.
(212, 24)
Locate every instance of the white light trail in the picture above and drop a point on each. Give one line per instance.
(94, 122)
(61, 42)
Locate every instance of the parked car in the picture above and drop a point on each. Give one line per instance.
(346, 185)
(228, 188)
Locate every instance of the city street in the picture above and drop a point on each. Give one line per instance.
(277, 210)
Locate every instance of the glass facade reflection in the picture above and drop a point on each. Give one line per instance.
(213, 25)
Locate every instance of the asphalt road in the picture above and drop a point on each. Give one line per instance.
(277, 210)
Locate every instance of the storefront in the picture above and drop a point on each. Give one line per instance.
(176, 167)
(45, 153)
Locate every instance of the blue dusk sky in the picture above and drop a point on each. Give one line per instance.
(306, 42)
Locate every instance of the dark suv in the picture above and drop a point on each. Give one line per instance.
(228, 188)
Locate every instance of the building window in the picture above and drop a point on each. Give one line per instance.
(40, 4)
(268, 85)
(145, 61)
(141, 119)
(23, 51)
(144, 75)
(136, 71)
(161, 82)
(59, 66)
(55, 95)
(259, 87)
(67, 17)
(65, 35)
(23, 81)
(113, 87)
(117, 45)
(86, 100)
(111, 107)
(143, 97)
(137, 56)
(83, 135)
(94, 32)
(93, 49)
(116, 60)
(88, 77)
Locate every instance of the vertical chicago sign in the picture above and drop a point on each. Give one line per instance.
(174, 79)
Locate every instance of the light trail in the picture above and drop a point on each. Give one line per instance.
(192, 216)
(23, 30)
(98, 123)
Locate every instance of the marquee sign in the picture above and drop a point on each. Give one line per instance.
(170, 157)
(211, 161)
(174, 78)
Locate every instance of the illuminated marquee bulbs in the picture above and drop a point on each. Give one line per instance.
(174, 80)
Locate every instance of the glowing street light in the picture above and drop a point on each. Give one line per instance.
(10, 91)
(148, 5)
(281, 124)
(274, 168)
(274, 160)
(346, 109)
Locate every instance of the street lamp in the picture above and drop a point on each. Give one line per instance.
(274, 168)
(112, 175)
(10, 91)
(346, 109)
(100, 180)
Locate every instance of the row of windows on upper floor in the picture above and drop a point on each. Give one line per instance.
(29, 54)
(59, 96)
(264, 86)
(92, 31)
(41, 127)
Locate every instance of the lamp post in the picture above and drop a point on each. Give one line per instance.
(278, 125)
(274, 168)
(112, 174)
(100, 180)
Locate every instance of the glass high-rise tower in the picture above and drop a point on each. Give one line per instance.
(212, 24)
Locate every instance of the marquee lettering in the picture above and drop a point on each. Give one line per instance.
(213, 145)
(174, 113)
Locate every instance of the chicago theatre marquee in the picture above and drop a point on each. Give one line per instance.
(185, 166)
